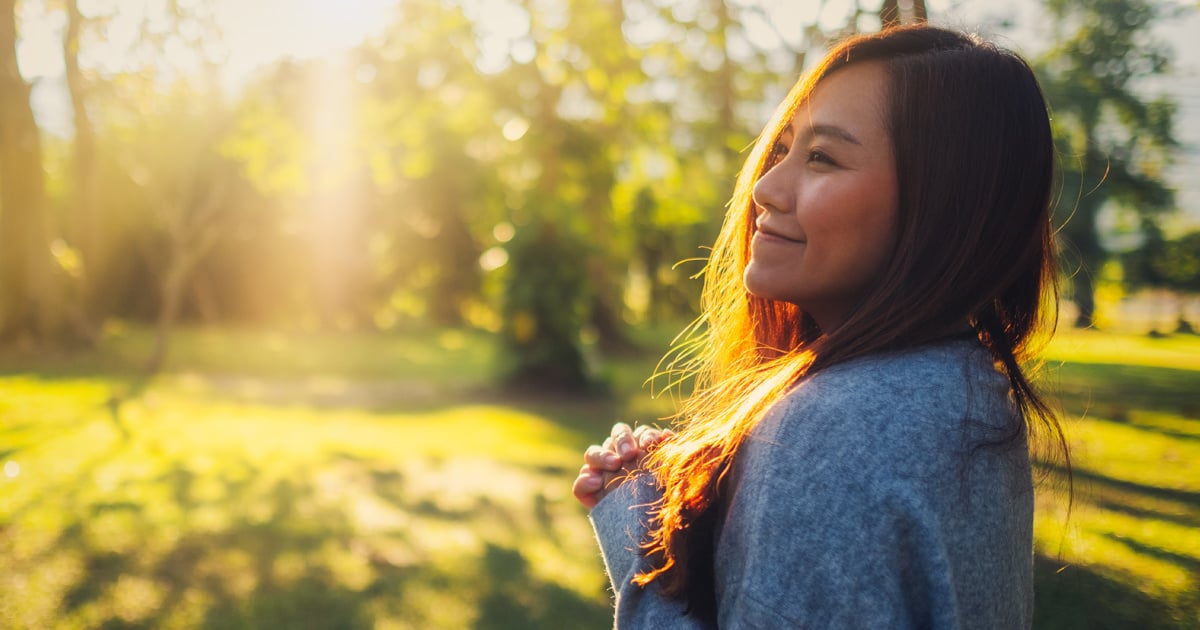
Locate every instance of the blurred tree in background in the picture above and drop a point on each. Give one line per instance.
(544, 303)
(1114, 143)
(34, 299)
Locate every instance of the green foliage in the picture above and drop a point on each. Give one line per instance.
(544, 308)
(1142, 267)
(1179, 263)
(1114, 142)
(361, 189)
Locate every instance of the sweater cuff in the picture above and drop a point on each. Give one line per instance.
(622, 521)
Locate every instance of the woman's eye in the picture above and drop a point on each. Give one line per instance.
(820, 157)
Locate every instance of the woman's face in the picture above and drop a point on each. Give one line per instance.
(826, 211)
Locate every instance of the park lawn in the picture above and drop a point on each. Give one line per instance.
(1128, 554)
(272, 481)
(353, 481)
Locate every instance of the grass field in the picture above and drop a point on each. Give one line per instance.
(316, 481)
(1128, 556)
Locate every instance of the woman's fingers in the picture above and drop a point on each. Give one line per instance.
(648, 437)
(593, 484)
(587, 486)
(622, 437)
(601, 458)
(606, 465)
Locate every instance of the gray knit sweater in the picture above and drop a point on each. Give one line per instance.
(860, 502)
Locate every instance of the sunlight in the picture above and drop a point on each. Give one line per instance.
(264, 31)
(503, 33)
(252, 35)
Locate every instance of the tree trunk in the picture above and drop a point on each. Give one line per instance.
(193, 231)
(30, 312)
(170, 301)
(894, 13)
(1084, 292)
(87, 222)
(889, 14)
(457, 256)
(1084, 235)
(726, 91)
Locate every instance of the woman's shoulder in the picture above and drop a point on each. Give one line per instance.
(923, 398)
(944, 361)
(932, 375)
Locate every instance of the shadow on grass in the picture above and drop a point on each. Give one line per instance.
(1112, 390)
(243, 547)
(1076, 596)
(1187, 563)
(516, 599)
(1080, 598)
(1095, 483)
(1179, 516)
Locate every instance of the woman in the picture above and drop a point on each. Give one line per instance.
(855, 454)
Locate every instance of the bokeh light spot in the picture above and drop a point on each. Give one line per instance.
(494, 258)
(515, 129)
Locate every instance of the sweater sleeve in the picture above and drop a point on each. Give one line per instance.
(621, 522)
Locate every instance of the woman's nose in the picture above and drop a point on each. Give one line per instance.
(771, 192)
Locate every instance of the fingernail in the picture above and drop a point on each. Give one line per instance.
(624, 447)
(611, 459)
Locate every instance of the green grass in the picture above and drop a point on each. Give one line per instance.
(1128, 554)
(353, 481)
(299, 481)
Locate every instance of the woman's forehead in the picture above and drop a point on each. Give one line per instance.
(849, 104)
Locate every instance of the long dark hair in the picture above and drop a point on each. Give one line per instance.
(975, 165)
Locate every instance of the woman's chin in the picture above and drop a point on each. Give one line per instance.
(763, 283)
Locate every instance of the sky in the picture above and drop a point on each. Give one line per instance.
(256, 33)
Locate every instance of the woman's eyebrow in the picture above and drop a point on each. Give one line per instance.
(832, 131)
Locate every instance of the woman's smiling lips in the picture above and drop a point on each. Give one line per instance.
(769, 235)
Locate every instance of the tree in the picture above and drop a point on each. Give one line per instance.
(165, 120)
(87, 219)
(1114, 143)
(430, 107)
(895, 13)
(187, 188)
(33, 309)
(543, 310)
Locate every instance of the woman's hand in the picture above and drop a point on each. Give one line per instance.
(606, 465)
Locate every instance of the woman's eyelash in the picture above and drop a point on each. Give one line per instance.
(817, 155)
(780, 150)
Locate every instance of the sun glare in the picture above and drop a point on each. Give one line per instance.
(252, 34)
(261, 32)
